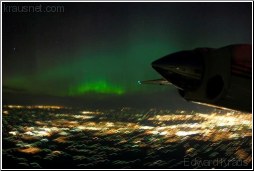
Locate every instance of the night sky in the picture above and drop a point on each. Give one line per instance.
(94, 53)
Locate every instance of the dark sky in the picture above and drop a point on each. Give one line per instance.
(94, 53)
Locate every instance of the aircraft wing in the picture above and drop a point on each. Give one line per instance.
(160, 81)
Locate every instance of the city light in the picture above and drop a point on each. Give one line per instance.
(154, 129)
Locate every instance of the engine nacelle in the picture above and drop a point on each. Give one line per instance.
(218, 77)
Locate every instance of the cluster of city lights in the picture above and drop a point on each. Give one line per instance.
(33, 107)
(213, 126)
(150, 130)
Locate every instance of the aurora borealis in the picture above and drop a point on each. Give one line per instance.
(98, 51)
(99, 87)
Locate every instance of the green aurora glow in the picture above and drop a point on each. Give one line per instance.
(106, 49)
(109, 70)
(97, 87)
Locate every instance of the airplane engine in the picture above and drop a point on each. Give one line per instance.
(217, 77)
